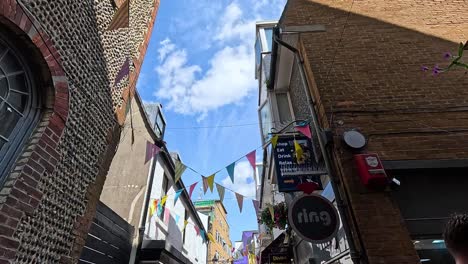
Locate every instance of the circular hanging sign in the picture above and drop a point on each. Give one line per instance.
(313, 218)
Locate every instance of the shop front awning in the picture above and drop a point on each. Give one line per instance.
(276, 250)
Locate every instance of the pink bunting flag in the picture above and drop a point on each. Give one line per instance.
(251, 158)
(167, 215)
(240, 200)
(197, 229)
(305, 130)
(151, 151)
(191, 188)
(256, 205)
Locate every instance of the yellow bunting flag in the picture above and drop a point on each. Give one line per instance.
(185, 224)
(163, 200)
(211, 238)
(210, 181)
(299, 152)
(274, 141)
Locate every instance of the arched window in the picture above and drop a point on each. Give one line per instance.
(19, 102)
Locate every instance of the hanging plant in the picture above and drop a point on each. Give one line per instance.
(455, 61)
(276, 218)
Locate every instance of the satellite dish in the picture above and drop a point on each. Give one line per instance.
(354, 139)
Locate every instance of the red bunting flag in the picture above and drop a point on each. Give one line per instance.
(191, 188)
(151, 151)
(251, 158)
(240, 200)
(197, 229)
(305, 130)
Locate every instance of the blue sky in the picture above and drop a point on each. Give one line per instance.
(200, 66)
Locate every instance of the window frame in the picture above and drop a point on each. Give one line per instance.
(159, 116)
(264, 104)
(26, 124)
(275, 112)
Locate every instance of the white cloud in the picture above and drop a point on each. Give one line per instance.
(243, 180)
(166, 47)
(228, 80)
(235, 27)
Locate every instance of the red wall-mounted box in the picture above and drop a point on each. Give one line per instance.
(371, 171)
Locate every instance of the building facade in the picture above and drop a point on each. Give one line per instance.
(356, 67)
(133, 184)
(220, 250)
(68, 71)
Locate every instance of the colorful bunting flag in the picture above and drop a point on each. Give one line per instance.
(210, 181)
(221, 191)
(185, 224)
(203, 236)
(197, 230)
(305, 130)
(251, 158)
(153, 207)
(177, 218)
(163, 200)
(230, 170)
(299, 152)
(191, 188)
(274, 141)
(205, 184)
(211, 238)
(159, 212)
(167, 215)
(256, 205)
(151, 151)
(179, 170)
(177, 194)
(240, 200)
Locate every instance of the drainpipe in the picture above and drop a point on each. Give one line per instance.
(342, 208)
(135, 254)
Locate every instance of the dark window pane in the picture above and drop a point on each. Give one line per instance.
(8, 119)
(3, 87)
(18, 101)
(18, 82)
(10, 64)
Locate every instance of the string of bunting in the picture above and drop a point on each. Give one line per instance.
(156, 205)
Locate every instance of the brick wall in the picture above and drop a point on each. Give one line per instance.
(365, 73)
(49, 198)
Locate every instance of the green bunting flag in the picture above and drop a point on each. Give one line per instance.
(230, 170)
(177, 194)
(179, 170)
